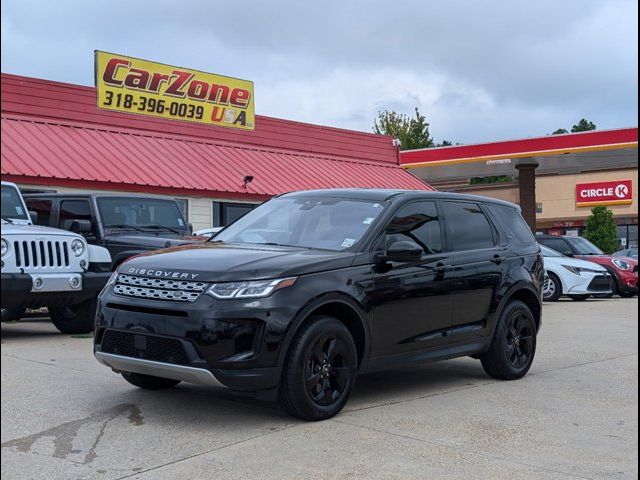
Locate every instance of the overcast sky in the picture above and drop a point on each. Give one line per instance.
(479, 70)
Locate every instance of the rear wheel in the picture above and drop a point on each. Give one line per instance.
(579, 298)
(320, 370)
(149, 382)
(552, 288)
(77, 318)
(11, 314)
(627, 294)
(514, 343)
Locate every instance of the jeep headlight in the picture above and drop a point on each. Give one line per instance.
(4, 248)
(621, 264)
(252, 289)
(77, 247)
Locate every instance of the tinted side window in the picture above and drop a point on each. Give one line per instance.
(42, 208)
(512, 222)
(467, 226)
(557, 244)
(419, 223)
(73, 210)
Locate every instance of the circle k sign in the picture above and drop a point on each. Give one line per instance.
(604, 193)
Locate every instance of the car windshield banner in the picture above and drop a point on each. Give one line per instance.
(132, 85)
(618, 192)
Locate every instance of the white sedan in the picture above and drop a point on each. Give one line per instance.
(578, 279)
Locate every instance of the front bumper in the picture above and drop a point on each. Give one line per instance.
(627, 281)
(594, 284)
(233, 343)
(23, 290)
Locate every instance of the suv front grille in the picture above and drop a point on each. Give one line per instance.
(149, 347)
(158, 288)
(41, 253)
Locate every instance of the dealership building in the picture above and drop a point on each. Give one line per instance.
(556, 179)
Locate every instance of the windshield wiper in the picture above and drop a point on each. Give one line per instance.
(124, 225)
(157, 226)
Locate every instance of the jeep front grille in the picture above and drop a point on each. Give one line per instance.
(41, 253)
(158, 288)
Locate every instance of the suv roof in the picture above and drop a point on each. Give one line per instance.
(381, 194)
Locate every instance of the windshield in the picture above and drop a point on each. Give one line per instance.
(548, 252)
(584, 246)
(12, 206)
(136, 213)
(323, 223)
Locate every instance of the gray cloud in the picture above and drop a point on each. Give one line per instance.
(479, 70)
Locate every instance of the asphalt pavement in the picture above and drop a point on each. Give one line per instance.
(575, 415)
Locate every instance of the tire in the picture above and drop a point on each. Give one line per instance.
(552, 289)
(11, 314)
(627, 294)
(320, 370)
(579, 298)
(505, 360)
(77, 318)
(149, 382)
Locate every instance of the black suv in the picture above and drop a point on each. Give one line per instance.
(310, 288)
(124, 225)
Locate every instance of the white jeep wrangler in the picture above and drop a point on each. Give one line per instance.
(48, 267)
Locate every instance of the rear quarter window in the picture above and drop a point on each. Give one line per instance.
(512, 222)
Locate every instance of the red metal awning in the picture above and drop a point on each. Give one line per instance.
(550, 145)
(51, 152)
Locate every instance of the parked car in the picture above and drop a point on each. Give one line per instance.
(624, 270)
(627, 252)
(294, 299)
(124, 225)
(577, 279)
(48, 267)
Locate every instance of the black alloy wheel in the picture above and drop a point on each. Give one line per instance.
(519, 346)
(514, 343)
(320, 369)
(327, 370)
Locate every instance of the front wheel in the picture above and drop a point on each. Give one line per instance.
(149, 382)
(628, 294)
(320, 370)
(514, 343)
(77, 318)
(552, 288)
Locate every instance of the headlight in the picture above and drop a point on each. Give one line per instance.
(112, 279)
(621, 264)
(4, 248)
(579, 270)
(77, 247)
(254, 289)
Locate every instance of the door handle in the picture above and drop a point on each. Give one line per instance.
(497, 259)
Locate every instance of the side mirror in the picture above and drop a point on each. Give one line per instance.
(80, 226)
(404, 251)
(190, 227)
(33, 216)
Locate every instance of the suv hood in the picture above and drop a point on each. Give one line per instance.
(216, 262)
(606, 259)
(150, 241)
(11, 229)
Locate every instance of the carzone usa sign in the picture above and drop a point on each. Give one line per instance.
(131, 85)
(604, 193)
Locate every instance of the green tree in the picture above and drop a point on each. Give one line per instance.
(601, 229)
(560, 131)
(413, 132)
(583, 125)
